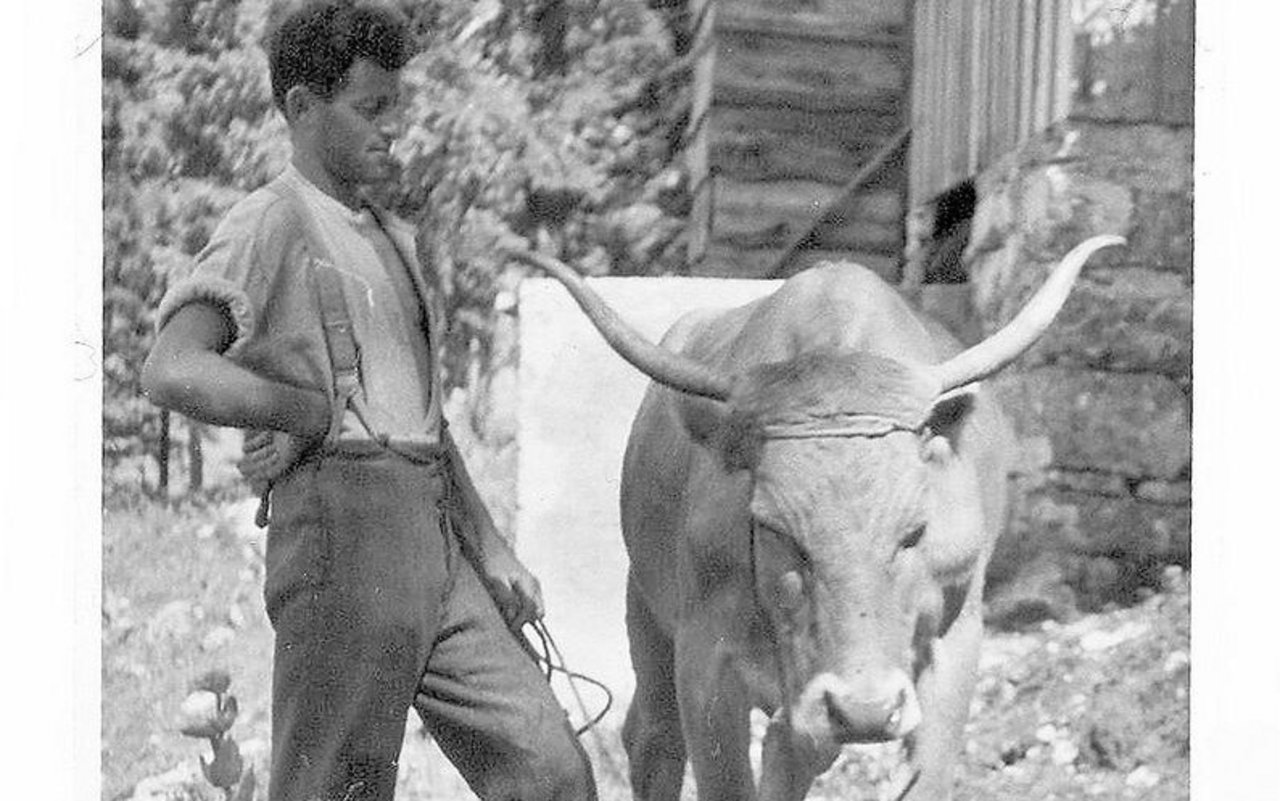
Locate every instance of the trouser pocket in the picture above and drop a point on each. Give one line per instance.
(298, 543)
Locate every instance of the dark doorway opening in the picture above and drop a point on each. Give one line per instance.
(952, 224)
(944, 289)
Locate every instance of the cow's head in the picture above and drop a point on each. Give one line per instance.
(866, 532)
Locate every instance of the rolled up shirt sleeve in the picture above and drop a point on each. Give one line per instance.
(237, 270)
(227, 296)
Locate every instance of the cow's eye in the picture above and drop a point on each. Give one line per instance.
(790, 590)
(912, 539)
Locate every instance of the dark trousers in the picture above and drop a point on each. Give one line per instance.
(375, 609)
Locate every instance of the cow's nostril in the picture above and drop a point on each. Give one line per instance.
(839, 716)
(895, 716)
(860, 721)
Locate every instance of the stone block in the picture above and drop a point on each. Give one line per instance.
(1125, 320)
(1163, 235)
(1033, 457)
(1036, 527)
(1126, 529)
(1078, 179)
(993, 218)
(1060, 206)
(1054, 145)
(952, 305)
(1067, 548)
(996, 275)
(1147, 157)
(1101, 484)
(1038, 591)
(1135, 425)
(1165, 492)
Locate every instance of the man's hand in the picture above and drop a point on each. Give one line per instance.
(269, 455)
(514, 589)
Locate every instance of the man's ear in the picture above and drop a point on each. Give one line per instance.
(298, 101)
(947, 419)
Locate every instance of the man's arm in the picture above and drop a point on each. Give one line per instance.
(515, 590)
(187, 373)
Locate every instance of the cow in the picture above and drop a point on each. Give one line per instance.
(811, 491)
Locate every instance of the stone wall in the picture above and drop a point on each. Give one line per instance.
(1102, 405)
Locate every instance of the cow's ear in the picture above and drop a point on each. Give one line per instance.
(714, 425)
(739, 441)
(947, 419)
(702, 417)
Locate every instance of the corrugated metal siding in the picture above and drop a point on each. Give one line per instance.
(988, 74)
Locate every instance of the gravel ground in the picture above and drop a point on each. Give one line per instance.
(1093, 709)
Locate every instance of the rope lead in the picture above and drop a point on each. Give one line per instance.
(551, 666)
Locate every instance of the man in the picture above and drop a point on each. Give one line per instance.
(308, 316)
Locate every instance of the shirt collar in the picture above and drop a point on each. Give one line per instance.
(322, 200)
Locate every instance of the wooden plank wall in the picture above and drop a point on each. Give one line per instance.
(804, 93)
(989, 73)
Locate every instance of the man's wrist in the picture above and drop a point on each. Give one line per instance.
(316, 417)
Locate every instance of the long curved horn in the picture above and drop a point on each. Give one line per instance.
(1007, 344)
(665, 367)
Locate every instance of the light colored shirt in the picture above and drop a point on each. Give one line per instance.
(255, 268)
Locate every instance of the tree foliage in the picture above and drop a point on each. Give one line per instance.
(527, 120)
(503, 146)
(187, 130)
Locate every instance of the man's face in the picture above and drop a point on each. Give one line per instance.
(356, 127)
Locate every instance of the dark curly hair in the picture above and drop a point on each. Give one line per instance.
(315, 44)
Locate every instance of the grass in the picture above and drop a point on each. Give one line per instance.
(182, 595)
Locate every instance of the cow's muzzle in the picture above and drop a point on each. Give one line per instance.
(857, 712)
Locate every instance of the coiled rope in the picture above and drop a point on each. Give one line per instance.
(549, 657)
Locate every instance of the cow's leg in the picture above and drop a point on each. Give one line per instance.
(945, 689)
(786, 769)
(651, 732)
(714, 712)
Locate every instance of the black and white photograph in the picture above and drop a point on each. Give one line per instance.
(669, 400)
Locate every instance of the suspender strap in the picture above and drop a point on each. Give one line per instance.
(335, 317)
(340, 340)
